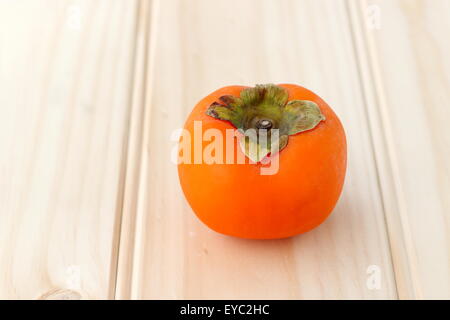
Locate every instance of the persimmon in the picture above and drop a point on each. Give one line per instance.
(236, 199)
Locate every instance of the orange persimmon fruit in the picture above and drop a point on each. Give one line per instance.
(235, 198)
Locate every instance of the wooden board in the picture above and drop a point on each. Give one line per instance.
(92, 92)
(407, 70)
(65, 74)
(203, 45)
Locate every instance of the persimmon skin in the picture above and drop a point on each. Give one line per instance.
(236, 200)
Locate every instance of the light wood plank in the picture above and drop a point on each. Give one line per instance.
(141, 80)
(65, 77)
(202, 45)
(409, 71)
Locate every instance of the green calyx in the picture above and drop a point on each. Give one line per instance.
(266, 118)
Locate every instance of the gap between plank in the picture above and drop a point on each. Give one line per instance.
(403, 254)
(123, 242)
(128, 217)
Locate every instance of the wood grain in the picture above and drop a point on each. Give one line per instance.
(203, 45)
(65, 71)
(92, 92)
(408, 76)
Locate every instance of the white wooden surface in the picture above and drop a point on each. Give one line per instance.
(409, 78)
(90, 205)
(64, 99)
